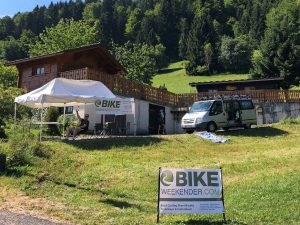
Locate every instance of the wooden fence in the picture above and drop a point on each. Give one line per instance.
(124, 87)
(258, 96)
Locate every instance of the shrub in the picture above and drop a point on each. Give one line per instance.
(22, 147)
(2, 131)
(70, 121)
(290, 121)
(51, 115)
(202, 70)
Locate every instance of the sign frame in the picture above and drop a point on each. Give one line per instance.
(158, 196)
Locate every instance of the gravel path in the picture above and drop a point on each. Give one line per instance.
(10, 218)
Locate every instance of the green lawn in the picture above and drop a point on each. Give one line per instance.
(175, 79)
(295, 88)
(114, 181)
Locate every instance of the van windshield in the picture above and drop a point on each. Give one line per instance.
(201, 106)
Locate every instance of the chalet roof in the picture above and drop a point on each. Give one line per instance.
(273, 79)
(70, 51)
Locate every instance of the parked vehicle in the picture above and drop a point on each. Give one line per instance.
(220, 112)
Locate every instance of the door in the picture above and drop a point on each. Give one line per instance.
(156, 118)
(217, 114)
(248, 112)
(233, 113)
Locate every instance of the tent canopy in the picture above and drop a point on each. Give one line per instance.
(63, 92)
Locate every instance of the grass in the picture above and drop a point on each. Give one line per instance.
(175, 79)
(295, 88)
(114, 181)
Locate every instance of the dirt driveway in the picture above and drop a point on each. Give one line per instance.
(10, 218)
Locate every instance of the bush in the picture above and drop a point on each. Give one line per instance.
(193, 70)
(71, 121)
(23, 147)
(202, 70)
(2, 131)
(7, 105)
(290, 121)
(51, 115)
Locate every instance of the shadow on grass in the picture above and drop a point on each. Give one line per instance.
(16, 172)
(119, 204)
(114, 142)
(207, 222)
(255, 132)
(169, 70)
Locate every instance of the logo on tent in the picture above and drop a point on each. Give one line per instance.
(108, 104)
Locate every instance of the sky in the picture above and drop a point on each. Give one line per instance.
(11, 7)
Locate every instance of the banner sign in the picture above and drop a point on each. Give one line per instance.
(114, 106)
(190, 191)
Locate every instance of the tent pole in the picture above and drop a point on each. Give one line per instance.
(64, 121)
(41, 124)
(15, 115)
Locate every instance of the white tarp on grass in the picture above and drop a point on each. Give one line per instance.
(212, 137)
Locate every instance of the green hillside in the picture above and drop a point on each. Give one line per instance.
(114, 180)
(175, 79)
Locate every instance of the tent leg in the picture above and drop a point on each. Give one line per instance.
(41, 124)
(64, 121)
(15, 115)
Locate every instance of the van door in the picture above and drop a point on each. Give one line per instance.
(233, 113)
(248, 112)
(217, 114)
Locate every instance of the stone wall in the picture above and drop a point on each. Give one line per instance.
(274, 112)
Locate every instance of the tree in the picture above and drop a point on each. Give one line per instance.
(182, 44)
(66, 34)
(8, 76)
(138, 59)
(26, 40)
(147, 33)
(12, 50)
(133, 23)
(201, 32)
(7, 97)
(167, 20)
(279, 54)
(208, 53)
(235, 54)
(7, 27)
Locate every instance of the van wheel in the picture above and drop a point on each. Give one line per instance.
(189, 131)
(211, 127)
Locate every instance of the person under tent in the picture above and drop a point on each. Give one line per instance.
(83, 127)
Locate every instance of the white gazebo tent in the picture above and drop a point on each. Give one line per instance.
(61, 92)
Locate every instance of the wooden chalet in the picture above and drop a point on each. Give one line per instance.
(37, 71)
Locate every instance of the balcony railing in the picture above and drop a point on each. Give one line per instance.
(124, 87)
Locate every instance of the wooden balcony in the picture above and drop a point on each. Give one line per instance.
(122, 86)
(129, 88)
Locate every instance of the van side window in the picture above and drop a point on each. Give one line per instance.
(246, 104)
(217, 108)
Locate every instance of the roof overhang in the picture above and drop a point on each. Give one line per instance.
(274, 79)
(66, 52)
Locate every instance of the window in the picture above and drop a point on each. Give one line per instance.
(246, 104)
(38, 71)
(200, 106)
(69, 110)
(217, 108)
